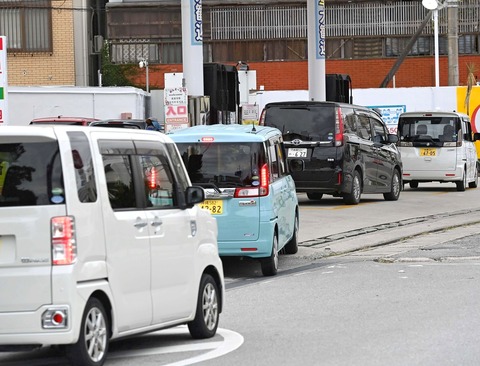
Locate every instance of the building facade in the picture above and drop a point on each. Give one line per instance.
(364, 38)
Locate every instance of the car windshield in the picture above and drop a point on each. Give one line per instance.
(423, 128)
(304, 123)
(223, 164)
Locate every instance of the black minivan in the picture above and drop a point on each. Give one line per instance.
(346, 149)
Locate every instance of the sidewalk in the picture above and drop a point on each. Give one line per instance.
(451, 228)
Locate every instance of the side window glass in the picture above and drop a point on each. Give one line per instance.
(118, 174)
(181, 177)
(159, 183)
(364, 129)
(282, 166)
(272, 155)
(83, 165)
(468, 130)
(379, 133)
(349, 120)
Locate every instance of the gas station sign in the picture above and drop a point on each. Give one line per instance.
(176, 108)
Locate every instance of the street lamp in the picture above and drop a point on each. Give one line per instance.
(144, 64)
(434, 6)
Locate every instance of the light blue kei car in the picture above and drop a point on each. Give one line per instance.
(249, 189)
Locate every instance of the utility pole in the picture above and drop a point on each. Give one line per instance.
(452, 13)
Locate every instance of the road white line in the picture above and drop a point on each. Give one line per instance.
(231, 341)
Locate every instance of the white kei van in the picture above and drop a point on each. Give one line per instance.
(438, 146)
(101, 237)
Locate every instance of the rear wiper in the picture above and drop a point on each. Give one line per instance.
(208, 185)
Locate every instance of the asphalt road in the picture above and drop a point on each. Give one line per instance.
(379, 283)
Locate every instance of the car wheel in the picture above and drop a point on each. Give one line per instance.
(462, 184)
(207, 313)
(353, 197)
(270, 264)
(314, 196)
(292, 245)
(394, 193)
(474, 184)
(92, 345)
(413, 184)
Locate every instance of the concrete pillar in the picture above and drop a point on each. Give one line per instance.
(452, 13)
(192, 46)
(316, 49)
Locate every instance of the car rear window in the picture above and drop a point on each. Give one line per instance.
(30, 172)
(436, 129)
(307, 123)
(224, 164)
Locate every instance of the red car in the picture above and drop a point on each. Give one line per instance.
(62, 120)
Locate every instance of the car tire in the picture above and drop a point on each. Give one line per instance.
(353, 198)
(207, 314)
(292, 246)
(474, 184)
(270, 264)
(396, 187)
(413, 184)
(462, 184)
(314, 196)
(92, 345)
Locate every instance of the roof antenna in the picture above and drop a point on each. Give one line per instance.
(253, 127)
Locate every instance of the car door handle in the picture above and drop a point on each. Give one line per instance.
(138, 224)
(156, 223)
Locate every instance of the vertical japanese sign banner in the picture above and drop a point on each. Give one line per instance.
(320, 32)
(196, 14)
(3, 81)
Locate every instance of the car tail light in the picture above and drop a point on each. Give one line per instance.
(64, 245)
(339, 128)
(261, 190)
(152, 178)
(261, 121)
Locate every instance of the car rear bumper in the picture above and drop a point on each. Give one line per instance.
(25, 328)
(433, 175)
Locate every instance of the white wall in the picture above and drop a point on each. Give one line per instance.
(27, 103)
(415, 99)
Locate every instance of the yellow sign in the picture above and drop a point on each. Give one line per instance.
(473, 108)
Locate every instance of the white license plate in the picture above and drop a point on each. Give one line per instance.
(295, 152)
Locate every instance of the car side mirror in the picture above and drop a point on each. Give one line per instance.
(476, 136)
(194, 195)
(296, 165)
(392, 139)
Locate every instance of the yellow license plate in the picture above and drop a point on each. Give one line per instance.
(428, 152)
(214, 206)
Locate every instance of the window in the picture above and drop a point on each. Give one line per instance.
(379, 131)
(468, 130)
(158, 180)
(364, 129)
(118, 174)
(83, 165)
(27, 25)
(274, 168)
(30, 173)
(349, 120)
(223, 164)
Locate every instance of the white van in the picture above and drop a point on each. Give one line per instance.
(101, 238)
(438, 146)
